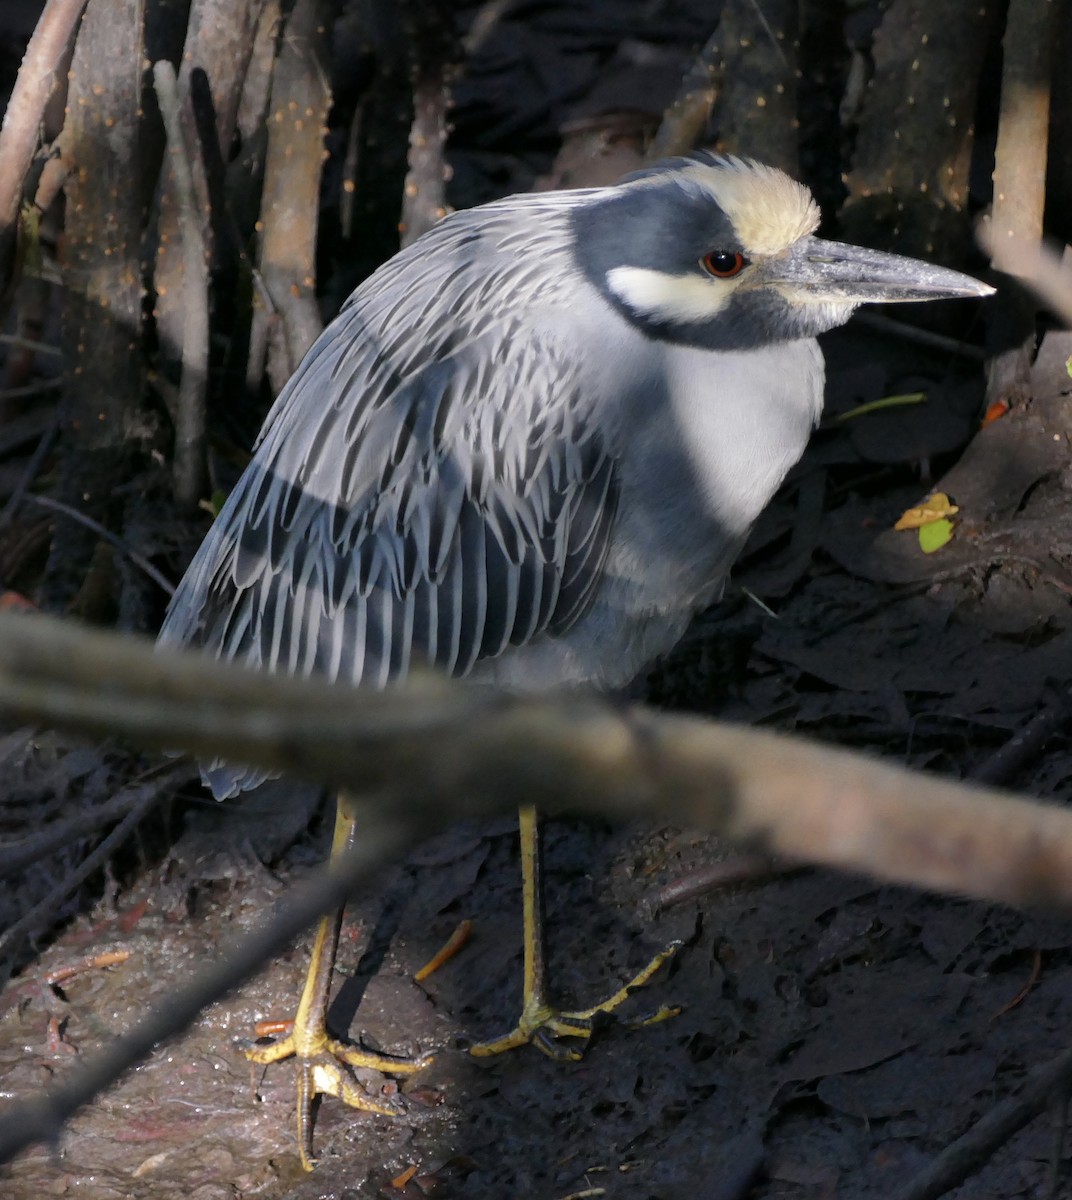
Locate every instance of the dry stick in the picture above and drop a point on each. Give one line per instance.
(41, 1119)
(189, 462)
(21, 343)
(920, 337)
(139, 560)
(1000, 767)
(964, 1156)
(41, 388)
(457, 749)
(487, 19)
(745, 868)
(25, 109)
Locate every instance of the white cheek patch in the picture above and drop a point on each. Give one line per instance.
(686, 298)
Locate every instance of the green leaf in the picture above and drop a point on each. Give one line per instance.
(934, 535)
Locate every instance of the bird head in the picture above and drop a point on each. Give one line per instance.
(721, 253)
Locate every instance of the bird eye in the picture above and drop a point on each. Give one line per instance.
(724, 264)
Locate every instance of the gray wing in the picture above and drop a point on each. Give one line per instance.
(383, 522)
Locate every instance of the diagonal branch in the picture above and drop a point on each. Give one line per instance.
(432, 747)
(433, 750)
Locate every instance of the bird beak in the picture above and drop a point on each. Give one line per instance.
(818, 271)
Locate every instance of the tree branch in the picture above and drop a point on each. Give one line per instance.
(435, 750)
(432, 747)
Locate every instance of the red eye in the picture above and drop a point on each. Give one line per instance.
(724, 264)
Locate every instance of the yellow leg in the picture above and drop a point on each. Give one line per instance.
(540, 1022)
(324, 1062)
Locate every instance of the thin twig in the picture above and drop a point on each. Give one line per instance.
(29, 474)
(485, 22)
(920, 337)
(189, 459)
(135, 557)
(139, 807)
(40, 387)
(22, 343)
(968, 1153)
(744, 868)
(1000, 767)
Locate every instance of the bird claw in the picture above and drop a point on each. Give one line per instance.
(324, 1069)
(543, 1025)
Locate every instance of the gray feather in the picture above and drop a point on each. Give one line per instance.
(405, 503)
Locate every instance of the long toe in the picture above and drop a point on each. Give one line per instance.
(325, 1068)
(548, 1028)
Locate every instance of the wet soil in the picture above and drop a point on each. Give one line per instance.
(835, 1034)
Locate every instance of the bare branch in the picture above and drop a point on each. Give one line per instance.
(435, 750)
(439, 747)
(1035, 264)
(119, 543)
(967, 1154)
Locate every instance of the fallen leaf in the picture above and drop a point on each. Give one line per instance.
(935, 535)
(934, 508)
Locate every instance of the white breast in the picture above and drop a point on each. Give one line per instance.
(705, 442)
(745, 418)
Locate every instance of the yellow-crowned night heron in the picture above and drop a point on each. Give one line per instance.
(528, 451)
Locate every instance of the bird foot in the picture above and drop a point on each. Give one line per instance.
(324, 1069)
(544, 1025)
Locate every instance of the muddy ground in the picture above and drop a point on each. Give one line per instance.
(835, 1034)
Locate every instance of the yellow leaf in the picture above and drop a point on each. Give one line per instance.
(934, 508)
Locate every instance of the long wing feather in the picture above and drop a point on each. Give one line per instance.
(420, 494)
